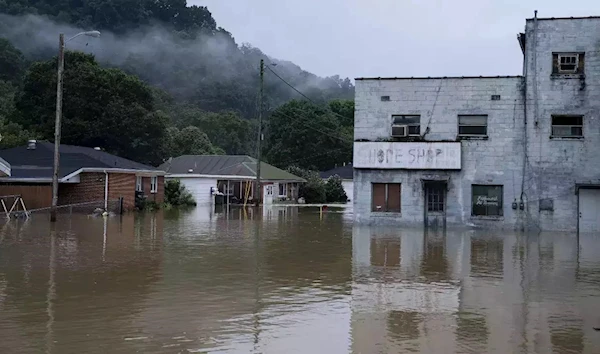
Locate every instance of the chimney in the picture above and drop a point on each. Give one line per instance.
(97, 148)
(31, 144)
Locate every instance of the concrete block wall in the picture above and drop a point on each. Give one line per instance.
(555, 165)
(496, 160)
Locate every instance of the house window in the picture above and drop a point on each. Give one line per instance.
(487, 200)
(567, 126)
(568, 63)
(138, 184)
(472, 125)
(436, 195)
(282, 189)
(406, 125)
(154, 184)
(386, 197)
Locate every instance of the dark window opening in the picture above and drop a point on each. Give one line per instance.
(472, 125)
(385, 98)
(436, 195)
(386, 197)
(568, 63)
(412, 122)
(567, 126)
(487, 200)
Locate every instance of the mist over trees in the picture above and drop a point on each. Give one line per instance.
(191, 73)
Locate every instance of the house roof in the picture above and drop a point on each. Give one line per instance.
(38, 163)
(439, 77)
(225, 166)
(345, 172)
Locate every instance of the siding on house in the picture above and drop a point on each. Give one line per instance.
(199, 188)
(34, 196)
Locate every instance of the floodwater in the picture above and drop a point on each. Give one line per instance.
(291, 282)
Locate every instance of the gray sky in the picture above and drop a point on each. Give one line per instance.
(390, 37)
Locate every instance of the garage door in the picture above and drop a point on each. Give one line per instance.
(589, 210)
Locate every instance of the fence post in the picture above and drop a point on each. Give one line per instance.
(120, 205)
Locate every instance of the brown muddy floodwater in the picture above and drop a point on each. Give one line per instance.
(179, 282)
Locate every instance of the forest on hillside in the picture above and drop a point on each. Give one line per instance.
(163, 80)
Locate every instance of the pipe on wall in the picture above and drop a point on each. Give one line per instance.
(105, 191)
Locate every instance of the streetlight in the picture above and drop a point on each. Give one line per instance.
(59, 94)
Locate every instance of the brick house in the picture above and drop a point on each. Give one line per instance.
(85, 175)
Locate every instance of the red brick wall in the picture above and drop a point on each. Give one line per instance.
(35, 196)
(89, 189)
(159, 196)
(122, 185)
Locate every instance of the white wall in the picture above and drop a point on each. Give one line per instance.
(349, 189)
(200, 189)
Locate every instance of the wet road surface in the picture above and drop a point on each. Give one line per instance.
(291, 282)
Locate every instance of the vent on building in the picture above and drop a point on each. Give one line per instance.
(31, 144)
(496, 97)
(97, 148)
(399, 131)
(385, 98)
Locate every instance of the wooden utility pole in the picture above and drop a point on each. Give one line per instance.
(260, 134)
(59, 102)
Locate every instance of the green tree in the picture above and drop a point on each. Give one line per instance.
(11, 134)
(313, 191)
(190, 141)
(334, 190)
(177, 195)
(101, 107)
(12, 62)
(303, 134)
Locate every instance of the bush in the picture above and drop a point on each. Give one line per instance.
(334, 190)
(313, 191)
(176, 194)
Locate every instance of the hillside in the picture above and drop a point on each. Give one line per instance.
(193, 66)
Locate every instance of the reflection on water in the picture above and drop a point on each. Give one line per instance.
(289, 280)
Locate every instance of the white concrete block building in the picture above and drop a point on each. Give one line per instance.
(498, 152)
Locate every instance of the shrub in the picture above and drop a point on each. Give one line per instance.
(313, 191)
(176, 194)
(334, 190)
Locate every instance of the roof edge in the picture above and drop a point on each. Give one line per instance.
(564, 18)
(439, 77)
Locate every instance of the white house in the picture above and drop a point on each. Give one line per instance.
(233, 177)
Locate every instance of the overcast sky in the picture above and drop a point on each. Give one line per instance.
(362, 38)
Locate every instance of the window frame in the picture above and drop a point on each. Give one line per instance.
(417, 125)
(154, 184)
(580, 126)
(139, 184)
(579, 63)
(386, 208)
(467, 136)
(284, 185)
(500, 202)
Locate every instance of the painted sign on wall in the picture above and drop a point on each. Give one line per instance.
(407, 155)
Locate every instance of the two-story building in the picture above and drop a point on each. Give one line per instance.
(500, 152)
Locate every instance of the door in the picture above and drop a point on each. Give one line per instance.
(268, 196)
(435, 204)
(589, 210)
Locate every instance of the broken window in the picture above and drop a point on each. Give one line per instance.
(487, 200)
(567, 63)
(386, 197)
(567, 126)
(406, 125)
(472, 125)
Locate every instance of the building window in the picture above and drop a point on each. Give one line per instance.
(386, 197)
(138, 184)
(282, 189)
(567, 126)
(406, 125)
(472, 125)
(487, 200)
(154, 184)
(436, 195)
(568, 63)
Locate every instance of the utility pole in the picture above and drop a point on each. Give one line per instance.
(260, 135)
(59, 102)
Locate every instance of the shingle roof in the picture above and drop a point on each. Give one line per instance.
(225, 165)
(345, 172)
(38, 163)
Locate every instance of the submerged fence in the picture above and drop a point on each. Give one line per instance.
(113, 206)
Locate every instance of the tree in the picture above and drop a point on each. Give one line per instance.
(101, 107)
(313, 191)
(303, 134)
(189, 141)
(177, 195)
(12, 62)
(334, 190)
